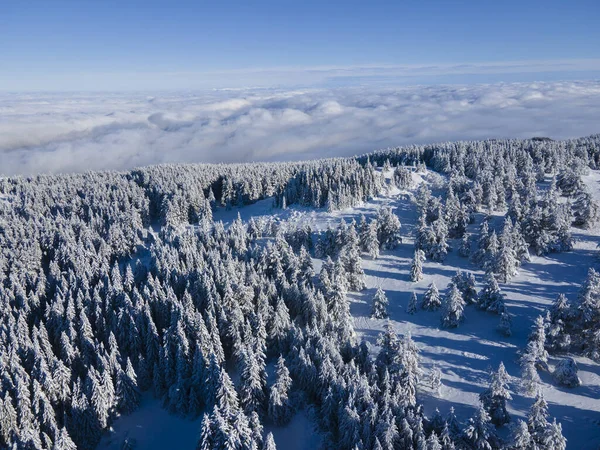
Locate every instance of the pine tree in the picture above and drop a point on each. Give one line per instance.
(465, 282)
(431, 299)
(565, 373)
(536, 344)
(412, 304)
(269, 443)
(433, 442)
(537, 419)
(465, 246)
(127, 391)
(480, 433)
(253, 383)
(416, 269)
(505, 325)
(490, 297)
(435, 380)
(380, 304)
(388, 233)
(506, 263)
(553, 437)
(370, 242)
(520, 438)
(529, 377)
(454, 306)
(494, 398)
(280, 408)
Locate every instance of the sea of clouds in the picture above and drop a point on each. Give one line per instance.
(51, 133)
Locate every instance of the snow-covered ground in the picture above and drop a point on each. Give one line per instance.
(464, 355)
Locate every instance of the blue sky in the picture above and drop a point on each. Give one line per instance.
(104, 45)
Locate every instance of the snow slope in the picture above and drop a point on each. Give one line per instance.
(464, 355)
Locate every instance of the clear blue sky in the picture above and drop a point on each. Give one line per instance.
(56, 44)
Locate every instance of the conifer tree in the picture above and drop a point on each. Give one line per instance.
(412, 304)
(479, 433)
(416, 269)
(491, 298)
(380, 304)
(431, 298)
(494, 398)
(505, 325)
(280, 408)
(454, 305)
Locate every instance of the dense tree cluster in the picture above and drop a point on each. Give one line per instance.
(107, 291)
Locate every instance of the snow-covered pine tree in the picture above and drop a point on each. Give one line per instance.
(454, 305)
(388, 224)
(505, 325)
(435, 379)
(372, 244)
(412, 304)
(465, 246)
(416, 269)
(565, 373)
(431, 298)
(553, 437)
(520, 438)
(269, 443)
(280, 407)
(494, 398)
(480, 433)
(465, 282)
(380, 304)
(490, 298)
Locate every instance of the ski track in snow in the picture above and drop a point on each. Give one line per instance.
(465, 355)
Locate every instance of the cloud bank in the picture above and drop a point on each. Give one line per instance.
(50, 133)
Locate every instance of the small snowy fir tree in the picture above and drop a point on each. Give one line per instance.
(565, 373)
(536, 344)
(435, 379)
(380, 304)
(505, 325)
(494, 398)
(371, 241)
(269, 443)
(465, 282)
(465, 246)
(520, 438)
(412, 304)
(431, 299)
(480, 433)
(530, 379)
(490, 297)
(553, 437)
(416, 269)
(454, 306)
(280, 409)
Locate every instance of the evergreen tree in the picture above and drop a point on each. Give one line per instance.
(280, 408)
(479, 433)
(412, 304)
(505, 325)
(416, 269)
(520, 438)
(494, 398)
(380, 304)
(454, 305)
(269, 443)
(490, 297)
(537, 419)
(465, 246)
(565, 373)
(431, 299)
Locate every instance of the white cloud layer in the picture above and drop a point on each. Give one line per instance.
(75, 132)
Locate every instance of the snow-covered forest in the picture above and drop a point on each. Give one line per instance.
(430, 297)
